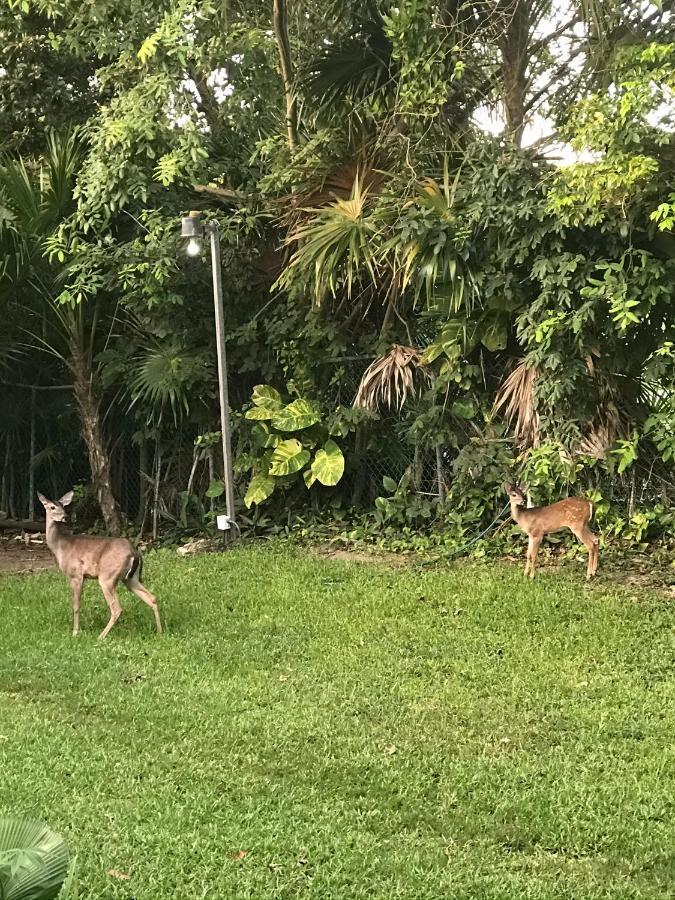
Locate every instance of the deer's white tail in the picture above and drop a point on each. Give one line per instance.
(135, 569)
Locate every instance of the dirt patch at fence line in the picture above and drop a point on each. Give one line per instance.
(17, 556)
(374, 557)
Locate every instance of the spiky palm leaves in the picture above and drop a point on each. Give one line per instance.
(390, 379)
(334, 247)
(168, 378)
(356, 67)
(517, 401)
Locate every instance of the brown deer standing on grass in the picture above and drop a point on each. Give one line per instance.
(81, 556)
(574, 513)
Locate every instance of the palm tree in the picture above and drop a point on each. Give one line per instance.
(37, 197)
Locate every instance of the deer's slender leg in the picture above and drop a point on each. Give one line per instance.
(144, 594)
(76, 587)
(528, 557)
(590, 541)
(108, 588)
(534, 543)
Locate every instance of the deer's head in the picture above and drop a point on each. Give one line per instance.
(56, 508)
(516, 494)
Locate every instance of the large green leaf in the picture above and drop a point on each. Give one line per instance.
(329, 464)
(288, 457)
(33, 860)
(264, 395)
(260, 488)
(215, 489)
(262, 437)
(297, 415)
(389, 484)
(458, 335)
(494, 337)
(261, 413)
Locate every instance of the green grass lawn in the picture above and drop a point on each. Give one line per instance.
(333, 730)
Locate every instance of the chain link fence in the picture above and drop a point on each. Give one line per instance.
(158, 484)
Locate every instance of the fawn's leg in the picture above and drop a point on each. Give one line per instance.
(534, 544)
(110, 594)
(590, 541)
(528, 557)
(76, 588)
(144, 594)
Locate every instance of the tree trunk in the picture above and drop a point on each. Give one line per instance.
(279, 19)
(92, 434)
(514, 47)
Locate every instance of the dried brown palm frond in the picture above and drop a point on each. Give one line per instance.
(608, 425)
(516, 398)
(337, 185)
(390, 379)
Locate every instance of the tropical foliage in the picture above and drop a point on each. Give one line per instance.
(447, 238)
(34, 861)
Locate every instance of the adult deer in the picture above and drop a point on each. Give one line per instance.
(574, 513)
(81, 556)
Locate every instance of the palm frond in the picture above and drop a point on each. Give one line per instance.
(21, 191)
(607, 427)
(390, 379)
(516, 399)
(164, 378)
(431, 262)
(335, 246)
(62, 162)
(354, 68)
(33, 860)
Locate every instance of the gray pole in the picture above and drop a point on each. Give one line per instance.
(31, 471)
(212, 228)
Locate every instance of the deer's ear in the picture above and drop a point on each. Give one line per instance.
(67, 499)
(43, 500)
(508, 487)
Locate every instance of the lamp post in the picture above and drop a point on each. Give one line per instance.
(194, 229)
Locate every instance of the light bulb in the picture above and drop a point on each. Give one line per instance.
(194, 247)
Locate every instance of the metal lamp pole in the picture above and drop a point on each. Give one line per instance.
(194, 229)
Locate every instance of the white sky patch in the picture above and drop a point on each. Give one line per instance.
(564, 49)
(222, 86)
(539, 129)
(183, 119)
(663, 116)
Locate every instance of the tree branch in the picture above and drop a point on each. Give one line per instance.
(279, 19)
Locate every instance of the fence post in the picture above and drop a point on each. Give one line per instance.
(439, 474)
(31, 464)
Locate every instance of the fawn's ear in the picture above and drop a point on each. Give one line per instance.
(43, 500)
(67, 499)
(508, 487)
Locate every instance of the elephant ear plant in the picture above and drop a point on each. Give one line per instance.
(34, 862)
(288, 441)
